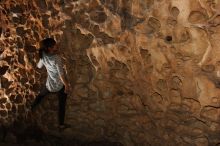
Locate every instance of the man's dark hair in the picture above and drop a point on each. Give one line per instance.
(45, 44)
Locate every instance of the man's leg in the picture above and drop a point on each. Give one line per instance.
(62, 105)
(39, 97)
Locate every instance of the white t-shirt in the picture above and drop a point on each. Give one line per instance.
(54, 68)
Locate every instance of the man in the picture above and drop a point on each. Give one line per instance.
(56, 81)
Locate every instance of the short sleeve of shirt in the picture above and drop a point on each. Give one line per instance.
(59, 65)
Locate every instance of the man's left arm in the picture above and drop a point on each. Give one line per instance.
(62, 74)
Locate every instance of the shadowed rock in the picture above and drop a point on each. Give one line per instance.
(3, 70)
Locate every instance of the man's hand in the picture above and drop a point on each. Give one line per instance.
(67, 88)
(66, 84)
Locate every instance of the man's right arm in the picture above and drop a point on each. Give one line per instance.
(40, 64)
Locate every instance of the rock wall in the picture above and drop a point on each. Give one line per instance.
(143, 72)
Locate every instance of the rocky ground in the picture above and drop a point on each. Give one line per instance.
(33, 135)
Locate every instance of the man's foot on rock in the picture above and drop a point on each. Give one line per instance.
(64, 126)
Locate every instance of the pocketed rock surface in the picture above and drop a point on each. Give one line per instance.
(143, 72)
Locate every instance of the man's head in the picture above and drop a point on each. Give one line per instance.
(49, 46)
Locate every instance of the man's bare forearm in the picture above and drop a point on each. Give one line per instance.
(64, 80)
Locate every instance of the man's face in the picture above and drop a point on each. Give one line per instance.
(54, 49)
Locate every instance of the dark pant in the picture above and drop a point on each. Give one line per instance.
(62, 102)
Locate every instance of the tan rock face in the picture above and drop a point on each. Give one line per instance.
(142, 71)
